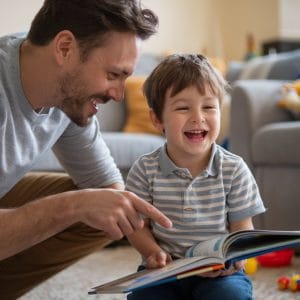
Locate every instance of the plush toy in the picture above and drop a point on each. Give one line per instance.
(291, 98)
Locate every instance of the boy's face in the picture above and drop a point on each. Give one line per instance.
(191, 123)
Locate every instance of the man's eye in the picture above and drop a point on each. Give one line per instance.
(113, 75)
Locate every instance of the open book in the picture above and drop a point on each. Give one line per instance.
(209, 255)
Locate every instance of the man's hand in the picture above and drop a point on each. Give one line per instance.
(118, 213)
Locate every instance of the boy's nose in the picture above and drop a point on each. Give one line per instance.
(198, 117)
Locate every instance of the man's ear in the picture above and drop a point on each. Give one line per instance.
(156, 122)
(65, 46)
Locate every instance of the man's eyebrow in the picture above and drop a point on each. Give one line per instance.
(123, 72)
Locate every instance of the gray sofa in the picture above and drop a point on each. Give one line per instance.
(268, 138)
(125, 147)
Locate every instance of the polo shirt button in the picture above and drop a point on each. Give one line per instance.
(188, 209)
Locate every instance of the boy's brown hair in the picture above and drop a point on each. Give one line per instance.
(177, 72)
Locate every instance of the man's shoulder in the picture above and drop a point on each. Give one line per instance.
(10, 40)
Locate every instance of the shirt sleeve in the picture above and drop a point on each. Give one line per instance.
(137, 181)
(86, 157)
(243, 200)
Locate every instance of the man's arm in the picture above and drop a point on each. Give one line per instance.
(115, 212)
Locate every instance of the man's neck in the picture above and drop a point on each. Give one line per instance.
(35, 75)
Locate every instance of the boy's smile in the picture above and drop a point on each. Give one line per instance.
(196, 135)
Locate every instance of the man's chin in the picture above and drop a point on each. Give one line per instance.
(82, 122)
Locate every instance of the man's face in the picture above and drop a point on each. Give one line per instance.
(99, 78)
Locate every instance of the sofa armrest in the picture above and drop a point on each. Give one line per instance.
(253, 105)
(277, 144)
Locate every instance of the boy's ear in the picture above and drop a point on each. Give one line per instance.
(65, 46)
(156, 122)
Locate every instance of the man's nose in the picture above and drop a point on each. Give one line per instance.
(117, 92)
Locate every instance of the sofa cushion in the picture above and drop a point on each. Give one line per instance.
(281, 66)
(112, 116)
(286, 66)
(138, 119)
(127, 147)
(258, 67)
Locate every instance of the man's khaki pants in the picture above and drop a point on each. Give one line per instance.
(22, 272)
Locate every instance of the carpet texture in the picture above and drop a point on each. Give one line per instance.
(111, 263)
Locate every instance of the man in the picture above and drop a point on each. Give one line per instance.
(76, 56)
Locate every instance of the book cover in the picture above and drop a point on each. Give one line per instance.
(206, 256)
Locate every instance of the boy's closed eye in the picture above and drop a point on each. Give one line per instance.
(182, 108)
(210, 107)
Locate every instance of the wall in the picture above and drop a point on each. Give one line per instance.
(237, 18)
(183, 25)
(289, 18)
(215, 27)
(16, 15)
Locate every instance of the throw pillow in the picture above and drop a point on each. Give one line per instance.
(291, 98)
(138, 119)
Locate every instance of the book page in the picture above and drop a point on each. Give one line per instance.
(209, 248)
(151, 277)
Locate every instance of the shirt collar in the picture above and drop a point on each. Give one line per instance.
(168, 167)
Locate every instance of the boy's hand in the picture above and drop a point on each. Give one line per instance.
(236, 267)
(158, 260)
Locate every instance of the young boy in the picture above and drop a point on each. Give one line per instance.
(204, 189)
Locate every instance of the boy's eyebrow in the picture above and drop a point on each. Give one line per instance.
(176, 100)
(212, 97)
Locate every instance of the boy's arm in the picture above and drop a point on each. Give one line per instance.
(245, 224)
(144, 242)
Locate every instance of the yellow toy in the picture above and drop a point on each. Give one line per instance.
(295, 283)
(251, 265)
(291, 98)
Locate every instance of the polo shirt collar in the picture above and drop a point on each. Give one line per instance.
(168, 167)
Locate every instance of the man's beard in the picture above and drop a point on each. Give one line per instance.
(75, 98)
(73, 108)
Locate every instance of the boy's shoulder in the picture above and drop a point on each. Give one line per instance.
(227, 157)
(149, 158)
(153, 155)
